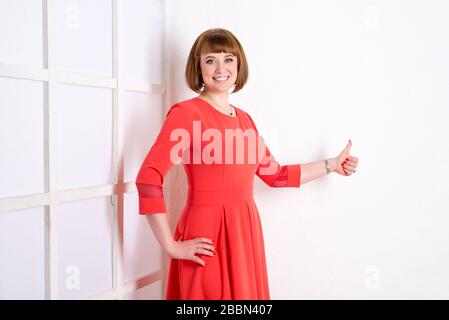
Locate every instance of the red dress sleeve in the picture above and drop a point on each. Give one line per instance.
(158, 160)
(271, 172)
(276, 175)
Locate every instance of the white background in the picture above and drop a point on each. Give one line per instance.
(321, 72)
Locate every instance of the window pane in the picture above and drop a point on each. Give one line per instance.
(141, 53)
(22, 274)
(84, 136)
(84, 247)
(24, 45)
(21, 137)
(142, 252)
(83, 34)
(142, 118)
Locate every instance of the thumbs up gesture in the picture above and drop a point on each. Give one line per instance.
(345, 163)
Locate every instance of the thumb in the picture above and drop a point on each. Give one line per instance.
(348, 146)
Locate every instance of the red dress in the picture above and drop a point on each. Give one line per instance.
(220, 204)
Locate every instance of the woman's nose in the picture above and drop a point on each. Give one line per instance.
(220, 65)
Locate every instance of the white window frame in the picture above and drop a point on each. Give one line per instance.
(51, 199)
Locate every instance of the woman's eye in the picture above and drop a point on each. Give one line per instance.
(230, 60)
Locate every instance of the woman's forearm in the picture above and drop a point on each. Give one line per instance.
(159, 225)
(313, 170)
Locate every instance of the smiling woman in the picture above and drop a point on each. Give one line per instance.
(216, 48)
(217, 251)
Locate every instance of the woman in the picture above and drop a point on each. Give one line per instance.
(217, 251)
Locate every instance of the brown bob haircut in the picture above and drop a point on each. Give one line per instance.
(215, 40)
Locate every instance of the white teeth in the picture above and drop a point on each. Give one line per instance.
(221, 79)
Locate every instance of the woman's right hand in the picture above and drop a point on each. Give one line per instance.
(188, 249)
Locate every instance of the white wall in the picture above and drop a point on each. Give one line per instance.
(372, 71)
(322, 72)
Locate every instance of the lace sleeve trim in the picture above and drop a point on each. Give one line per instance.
(149, 190)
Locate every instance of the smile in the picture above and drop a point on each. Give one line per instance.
(222, 79)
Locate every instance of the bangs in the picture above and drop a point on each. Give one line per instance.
(217, 43)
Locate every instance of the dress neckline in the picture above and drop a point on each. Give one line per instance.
(218, 111)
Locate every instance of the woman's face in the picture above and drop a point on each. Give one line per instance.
(218, 65)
